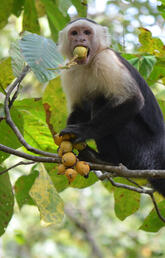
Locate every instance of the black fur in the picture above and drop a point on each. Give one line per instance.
(132, 133)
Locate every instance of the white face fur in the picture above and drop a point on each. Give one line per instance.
(93, 36)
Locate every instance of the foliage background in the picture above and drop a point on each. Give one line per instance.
(94, 205)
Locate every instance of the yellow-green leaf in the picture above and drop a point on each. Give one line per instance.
(6, 74)
(47, 199)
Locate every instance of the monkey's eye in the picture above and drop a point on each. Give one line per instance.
(87, 32)
(74, 32)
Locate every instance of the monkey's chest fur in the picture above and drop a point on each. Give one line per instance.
(108, 78)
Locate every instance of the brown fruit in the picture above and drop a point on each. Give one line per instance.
(82, 168)
(69, 159)
(60, 152)
(79, 146)
(61, 169)
(68, 136)
(66, 146)
(57, 139)
(71, 174)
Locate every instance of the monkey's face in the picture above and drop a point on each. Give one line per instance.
(83, 36)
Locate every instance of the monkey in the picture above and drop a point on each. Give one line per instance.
(109, 101)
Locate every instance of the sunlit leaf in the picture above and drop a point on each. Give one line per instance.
(81, 6)
(22, 188)
(153, 223)
(6, 74)
(54, 100)
(41, 54)
(57, 20)
(9, 138)
(36, 131)
(45, 195)
(5, 11)
(149, 44)
(6, 201)
(30, 19)
(17, 59)
(126, 202)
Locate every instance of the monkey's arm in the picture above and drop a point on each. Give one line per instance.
(107, 120)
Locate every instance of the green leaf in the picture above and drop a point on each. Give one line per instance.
(17, 59)
(49, 203)
(63, 6)
(149, 44)
(36, 131)
(41, 54)
(144, 64)
(18, 7)
(56, 18)
(161, 8)
(30, 18)
(8, 138)
(6, 74)
(22, 188)
(153, 223)
(81, 182)
(126, 202)
(55, 103)
(6, 201)
(5, 11)
(81, 7)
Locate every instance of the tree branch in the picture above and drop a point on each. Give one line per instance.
(10, 122)
(123, 171)
(24, 155)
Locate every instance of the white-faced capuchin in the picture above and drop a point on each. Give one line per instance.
(110, 102)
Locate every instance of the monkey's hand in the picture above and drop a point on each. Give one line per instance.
(80, 130)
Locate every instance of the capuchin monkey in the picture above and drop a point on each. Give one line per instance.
(110, 102)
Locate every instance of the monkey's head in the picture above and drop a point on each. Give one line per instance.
(86, 33)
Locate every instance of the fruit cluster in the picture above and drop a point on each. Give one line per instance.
(70, 166)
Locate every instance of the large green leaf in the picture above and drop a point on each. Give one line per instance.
(41, 54)
(6, 201)
(45, 195)
(6, 74)
(64, 5)
(56, 18)
(22, 188)
(149, 44)
(153, 223)
(18, 7)
(5, 11)
(81, 6)
(17, 59)
(143, 64)
(54, 100)
(126, 202)
(36, 131)
(30, 18)
(8, 138)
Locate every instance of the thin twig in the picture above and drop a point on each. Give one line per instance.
(156, 207)
(16, 165)
(133, 182)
